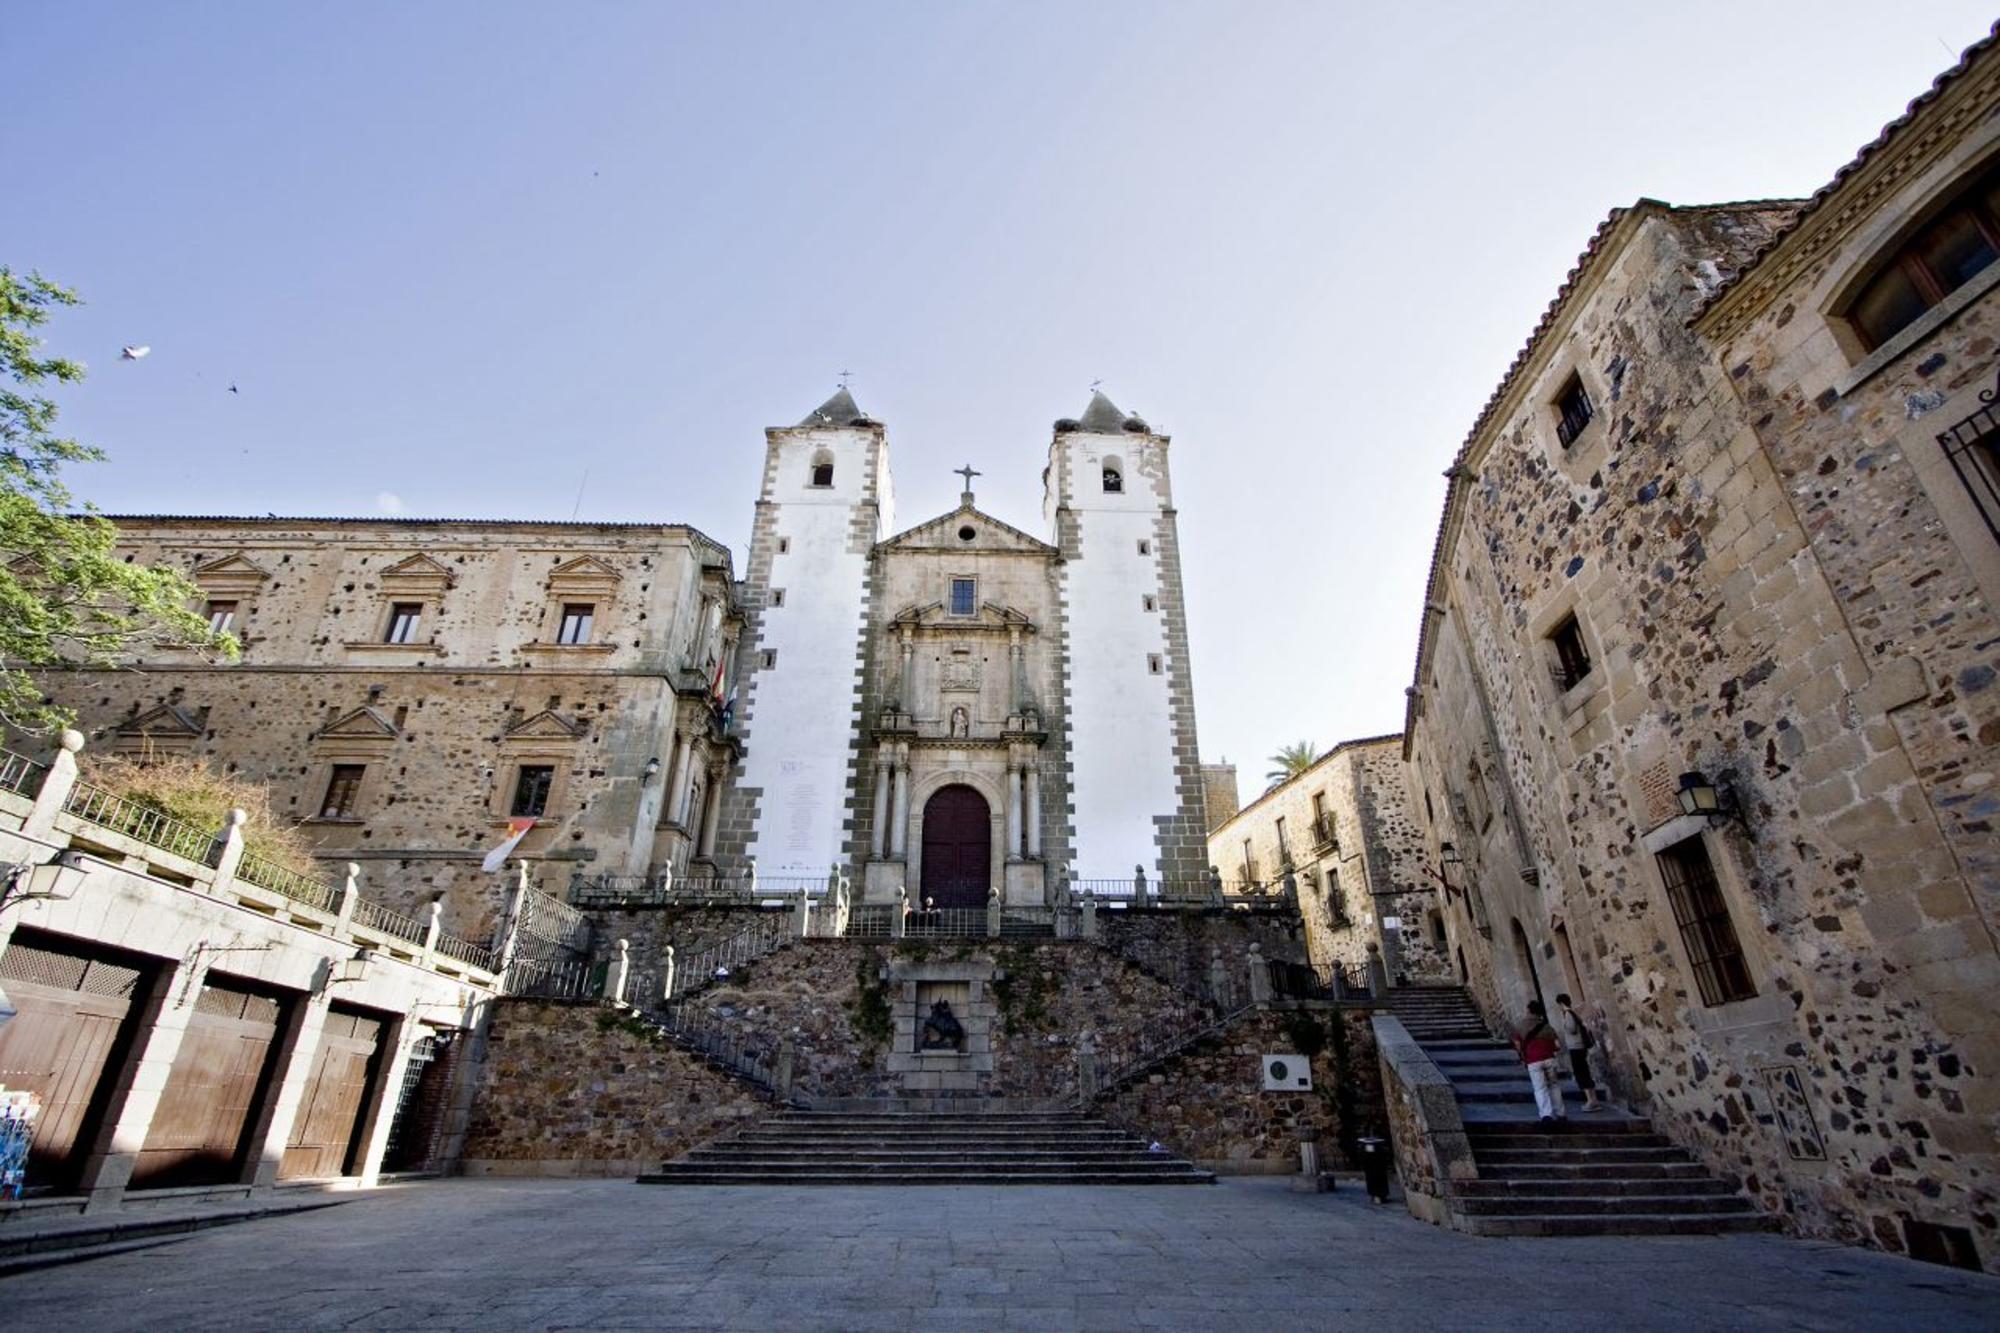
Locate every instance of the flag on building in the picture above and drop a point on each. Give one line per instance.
(517, 829)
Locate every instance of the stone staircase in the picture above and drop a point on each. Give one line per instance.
(894, 1146)
(1598, 1173)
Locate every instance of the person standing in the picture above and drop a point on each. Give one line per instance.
(1577, 1042)
(1538, 1046)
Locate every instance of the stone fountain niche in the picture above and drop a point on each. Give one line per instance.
(967, 987)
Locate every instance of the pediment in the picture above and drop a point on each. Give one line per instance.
(943, 533)
(167, 720)
(584, 569)
(233, 570)
(418, 569)
(543, 726)
(363, 724)
(991, 616)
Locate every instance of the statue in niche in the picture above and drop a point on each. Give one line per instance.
(942, 1031)
(961, 722)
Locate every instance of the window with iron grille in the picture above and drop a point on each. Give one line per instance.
(343, 787)
(1572, 662)
(1931, 265)
(403, 620)
(1707, 932)
(1973, 447)
(531, 790)
(577, 619)
(1573, 411)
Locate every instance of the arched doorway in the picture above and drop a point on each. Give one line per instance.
(958, 847)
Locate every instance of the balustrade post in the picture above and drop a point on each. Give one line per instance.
(1090, 916)
(621, 972)
(1378, 973)
(1086, 1066)
(783, 1070)
(350, 898)
(1032, 814)
(433, 927)
(57, 784)
(510, 925)
(1260, 976)
(227, 851)
(1138, 886)
(1215, 892)
(899, 920)
(805, 910)
(667, 977)
(993, 913)
(1218, 976)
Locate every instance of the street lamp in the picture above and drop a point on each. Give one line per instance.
(1699, 796)
(58, 877)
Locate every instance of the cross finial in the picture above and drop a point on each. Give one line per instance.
(968, 472)
(845, 375)
(1094, 385)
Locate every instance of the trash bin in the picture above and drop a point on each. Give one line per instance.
(1375, 1166)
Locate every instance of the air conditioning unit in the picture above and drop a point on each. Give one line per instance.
(1287, 1073)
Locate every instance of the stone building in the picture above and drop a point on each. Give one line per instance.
(1703, 728)
(409, 686)
(1341, 838)
(1220, 792)
(961, 706)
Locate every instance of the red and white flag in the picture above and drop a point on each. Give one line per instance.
(517, 829)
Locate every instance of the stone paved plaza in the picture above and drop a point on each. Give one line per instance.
(1246, 1254)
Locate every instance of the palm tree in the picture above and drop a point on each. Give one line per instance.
(1290, 761)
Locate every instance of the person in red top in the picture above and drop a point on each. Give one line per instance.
(1539, 1047)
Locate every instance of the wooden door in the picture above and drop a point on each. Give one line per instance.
(219, 1076)
(329, 1117)
(958, 847)
(66, 1043)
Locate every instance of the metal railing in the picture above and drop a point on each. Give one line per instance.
(119, 814)
(1975, 459)
(1163, 1038)
(1316, 981)
(709, 1035)
(946, 923)
(548, 926)
(872, 921)
(288, 883)
(18, 773)
(713, 963)
(465, 951)
(1324, 833)
(389, 922)
(703, 887)
(554, 978)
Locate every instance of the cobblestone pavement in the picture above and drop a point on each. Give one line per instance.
(542, 1254)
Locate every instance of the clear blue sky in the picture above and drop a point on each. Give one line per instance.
(454, 255)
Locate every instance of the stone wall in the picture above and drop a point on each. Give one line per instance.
(579, 1089)
(1770, 593)
(439, 726)
(1208, 1103)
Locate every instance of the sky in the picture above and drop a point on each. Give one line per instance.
(535, 260)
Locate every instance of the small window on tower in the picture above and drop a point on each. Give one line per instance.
(822, 469)
(1153, 664)
(784, 545)
(577, 620)
(1114, 480)
(1149, 602)
(532, 786)
(1573, 411)
(1145, 548)
(404, 618)
(964, 597)
(342, 787)
(777, 597)
(770, 657)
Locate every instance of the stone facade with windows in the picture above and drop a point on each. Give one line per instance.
(1705, 728)
(408, 686)
(1341, 836)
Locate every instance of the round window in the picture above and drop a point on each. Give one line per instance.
(967, 533)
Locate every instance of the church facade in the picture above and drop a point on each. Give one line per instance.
(961, 707)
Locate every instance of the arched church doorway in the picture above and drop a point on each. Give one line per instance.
(958, 847)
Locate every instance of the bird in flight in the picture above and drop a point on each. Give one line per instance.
(133, 353)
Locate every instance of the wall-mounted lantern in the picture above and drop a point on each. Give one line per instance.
(1715, 803)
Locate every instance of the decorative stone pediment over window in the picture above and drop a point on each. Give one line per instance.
(966, 529)
(419, 578)
(992, 618)
(236, 573)
(544, 726)
(363, 724)
(167, 729)
(584, 578)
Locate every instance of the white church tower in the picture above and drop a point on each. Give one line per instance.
(1134, 764)
(826, 500)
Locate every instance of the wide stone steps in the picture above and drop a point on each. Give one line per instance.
(1595, 1174)
(928, 1148)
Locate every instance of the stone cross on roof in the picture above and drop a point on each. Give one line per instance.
(968, 472)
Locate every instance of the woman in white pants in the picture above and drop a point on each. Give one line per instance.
(1541, 1051)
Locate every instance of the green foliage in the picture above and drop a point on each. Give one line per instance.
(64, 594)
(1022, 991)
(1305, 1033)
(1290, 761)
(869, 1010)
